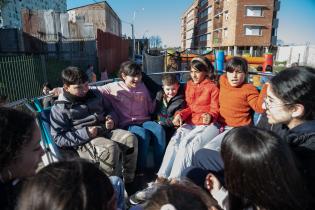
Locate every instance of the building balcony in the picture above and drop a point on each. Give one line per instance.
(277, 5)
(274, 40)
(275, 23)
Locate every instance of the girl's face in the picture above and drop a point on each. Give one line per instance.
(29, 157)
(132, 81)
(197, 76)
(235, 77)
(276, 110)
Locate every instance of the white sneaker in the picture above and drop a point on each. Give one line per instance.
(143, 195)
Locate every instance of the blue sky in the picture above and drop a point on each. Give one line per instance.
(162, 17)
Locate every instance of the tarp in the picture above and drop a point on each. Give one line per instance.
(153, 64)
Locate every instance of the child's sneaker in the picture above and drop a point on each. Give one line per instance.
(143, 195)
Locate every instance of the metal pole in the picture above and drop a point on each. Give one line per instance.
(133, 42)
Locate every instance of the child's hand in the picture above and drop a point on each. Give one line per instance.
(212, 183)
(206, 118)
(56, 91)
(92, 131)
(178, 121)
(109, 123)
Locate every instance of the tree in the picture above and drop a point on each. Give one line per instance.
(155, 41)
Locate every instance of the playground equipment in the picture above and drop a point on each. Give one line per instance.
(219, 58)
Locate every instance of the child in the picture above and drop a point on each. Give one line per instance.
(47, 101)
(168, 101)
(134, 106)
(82, 121)
(20, 153)
(69, 185)
(260, 173)
(202, 109)
(179, 195)
(237, 100)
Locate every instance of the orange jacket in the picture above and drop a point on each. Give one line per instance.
(200, 98)
(236, 103)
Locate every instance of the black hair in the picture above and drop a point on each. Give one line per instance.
(73, 76)
(169, 79)
(296, 85)
(237, 63)
(268, 68)
(202, 63)
(16, 130)
(260, 171)
(48, 85)
(130, 68)
(259, 68)
(67, 185)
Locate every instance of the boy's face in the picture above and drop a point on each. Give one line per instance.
(235, 77)
(77, 90)
(132, 81)
(170, 90)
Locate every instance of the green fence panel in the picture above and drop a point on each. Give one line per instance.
(21, 76)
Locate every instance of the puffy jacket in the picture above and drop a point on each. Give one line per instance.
(302, 141)
(70, 119)
(200, 98)
(133, 106)
(175, 104)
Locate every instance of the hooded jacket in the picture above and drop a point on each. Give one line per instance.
(70, 118)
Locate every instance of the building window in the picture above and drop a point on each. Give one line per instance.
(253, 30)
(254, 11)
(226, 16)
(225, 33)
(203, 2)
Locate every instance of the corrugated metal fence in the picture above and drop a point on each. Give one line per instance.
(21, 76)
(112, 50)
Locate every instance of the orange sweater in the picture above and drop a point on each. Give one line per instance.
(236, 103)
(200, 98)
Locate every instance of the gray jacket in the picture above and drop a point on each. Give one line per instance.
(69, 120)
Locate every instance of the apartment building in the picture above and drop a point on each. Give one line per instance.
(10, 11)
(89, 18)
(236, 26)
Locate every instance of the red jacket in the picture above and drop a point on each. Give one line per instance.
(200, 98)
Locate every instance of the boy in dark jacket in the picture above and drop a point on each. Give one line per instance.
(168, 101)
(82, 121)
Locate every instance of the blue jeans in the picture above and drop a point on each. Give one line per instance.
(119, 189)
(146, 132)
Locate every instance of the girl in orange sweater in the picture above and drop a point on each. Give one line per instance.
(237, 101)
(202, 98)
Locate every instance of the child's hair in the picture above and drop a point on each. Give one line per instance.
(48, 85)
(16, 130)
(237, 63)
(169, 79)
(260, 170)
(259, 68)
(296, 85)
(68, 185)
(130, 68)
(73, 76)
(202, 63)
(180, 195)
(269, 68)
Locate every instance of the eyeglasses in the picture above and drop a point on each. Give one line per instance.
(268, 106)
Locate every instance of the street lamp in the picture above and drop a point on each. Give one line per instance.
(133, 34)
